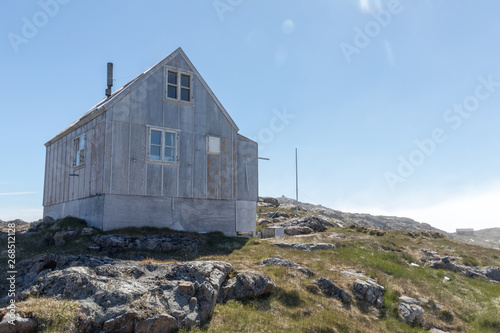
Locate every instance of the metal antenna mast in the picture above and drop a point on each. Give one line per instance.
(296, 182)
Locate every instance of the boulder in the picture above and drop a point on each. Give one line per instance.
(410, 310)
(278, 261)
(330, 289)
(88, 231)
(272, 201)
(247, 285)
(490, 273)
(298, 230)
(313, 223)
(369, 291)
(20, 324)
(61, 237)
(306, 246)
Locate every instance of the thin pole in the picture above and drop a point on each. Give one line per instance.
(296, 182)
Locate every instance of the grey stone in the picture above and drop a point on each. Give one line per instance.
(88, 231)
(330, 289)
(20, 324)
(410, 310)
(157, 243)
(298, 230)
(278, 261)
(61, 237)
(369, 291)
(272, 201)
(247, 285)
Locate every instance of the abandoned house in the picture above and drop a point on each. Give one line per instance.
(160, 152)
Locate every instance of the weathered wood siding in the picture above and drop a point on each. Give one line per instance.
(61, 183)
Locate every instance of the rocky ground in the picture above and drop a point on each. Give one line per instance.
(325, 275)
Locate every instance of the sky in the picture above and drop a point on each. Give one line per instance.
(392, 105)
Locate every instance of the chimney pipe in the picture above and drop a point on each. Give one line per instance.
(110, 79)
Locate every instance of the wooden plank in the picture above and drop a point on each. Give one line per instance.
(152, 94)
(137, 177)
(213, 177)
(185, 185)
(88, 160)
(200, 116)
(154, 180)
(200, 167)
(67, 168)
(121, 110)
(170, 115)
(226, 169)
(186, 119)
(108, 145)
(170, 176)
(120, 158)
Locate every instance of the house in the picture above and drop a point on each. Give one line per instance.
(160, 152)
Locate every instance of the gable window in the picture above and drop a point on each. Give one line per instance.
(178, 85)
(79, 149)
(213, 144)
(163, 145)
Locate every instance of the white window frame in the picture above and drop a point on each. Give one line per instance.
(79, 152)
(211, 141)
(163, 145)
(178, 85)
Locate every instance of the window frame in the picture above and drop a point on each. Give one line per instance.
(179, 87)
(163, 145)
(78, 152)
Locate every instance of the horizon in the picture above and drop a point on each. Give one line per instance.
(391, 104)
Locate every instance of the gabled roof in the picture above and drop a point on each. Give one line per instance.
(108, 102)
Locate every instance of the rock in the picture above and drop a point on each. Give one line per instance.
(306, 246)
(369, 291)
(157, 243)
(437, 330)
(410, 310)
(330, 289)
(20, 324)
(272, 201)
(315, 224)
(88, 231)
(298, 230)
(263, 221)
(278, 261)
(490, 273)
(247, 285)
(48, 221)
(163, 323)
(115, 294)
(61, 237)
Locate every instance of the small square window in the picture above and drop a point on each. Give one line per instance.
(79, 149)
(162, 145)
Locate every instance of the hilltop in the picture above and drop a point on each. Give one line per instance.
(328, 274)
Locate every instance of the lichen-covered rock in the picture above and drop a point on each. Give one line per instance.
(15, 323)
(61, 237)
(247, 285)
(410, 310)
(330, 289)
(298, 230)
(125, 296)
(157, 243)
(369, 291)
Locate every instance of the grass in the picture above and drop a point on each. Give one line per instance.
(461, 304)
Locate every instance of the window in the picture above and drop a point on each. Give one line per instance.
(163, 145)
(213, 144)
(179, 85)
(79, 148)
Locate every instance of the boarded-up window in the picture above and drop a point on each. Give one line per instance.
(79, 149)
(213, 144)
(163, 145)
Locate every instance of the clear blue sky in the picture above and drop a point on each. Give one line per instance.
(354, 85)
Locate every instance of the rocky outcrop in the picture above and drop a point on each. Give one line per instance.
(157, 243)
(306, 246)
(61, 237)
(246, 285)
(490, 273)
(278, 261)
(126, 296)
(330, 289)
(369, 291)
(16, 323)
(305, 225)
(410, 310)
